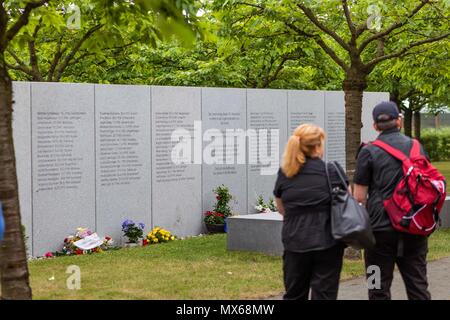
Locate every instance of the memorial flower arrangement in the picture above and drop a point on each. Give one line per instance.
(70, 248)
(221, 209)
(158, 235)
(215, 219)
(133, 231)
(263, 207)
(212, 217)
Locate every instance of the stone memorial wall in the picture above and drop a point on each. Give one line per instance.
(93, 155)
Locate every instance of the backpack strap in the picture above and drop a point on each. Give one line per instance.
(391, 150)
(415, 149)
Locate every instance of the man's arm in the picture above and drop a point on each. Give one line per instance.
(280, 206)
(360, 193)
(363, 176)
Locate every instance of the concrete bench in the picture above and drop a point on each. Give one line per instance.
(262, 232)
(255, 232)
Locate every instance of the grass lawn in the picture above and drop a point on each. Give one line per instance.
(196, 268)
(444, 168)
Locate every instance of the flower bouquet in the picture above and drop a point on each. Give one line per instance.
(158, 235)
(263, 207)
(84, 241)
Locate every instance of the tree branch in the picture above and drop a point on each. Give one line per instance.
(399, 53)
(348, 17)
(74, 50)
(22, 20)
(34, 63)
(21, 68)
(16, 58)
(280, 67)
(20, 65)
(56, 58)
(333, 55)
(394, 26)
(312, 17)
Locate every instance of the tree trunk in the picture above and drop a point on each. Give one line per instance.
(437, 121)
(407, 122)
(13, 259)
(417, 125)
(353, 86)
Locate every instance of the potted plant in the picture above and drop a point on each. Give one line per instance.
(134, 232)
(215, 220)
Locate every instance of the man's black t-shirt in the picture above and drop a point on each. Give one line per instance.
(306, 199)
(381, 172)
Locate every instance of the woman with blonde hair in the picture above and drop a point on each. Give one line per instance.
(312, 258)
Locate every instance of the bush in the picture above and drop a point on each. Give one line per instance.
(437, 143)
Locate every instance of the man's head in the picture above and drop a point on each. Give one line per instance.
(386, 116)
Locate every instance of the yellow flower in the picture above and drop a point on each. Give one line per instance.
(172, 238)
(155, 240)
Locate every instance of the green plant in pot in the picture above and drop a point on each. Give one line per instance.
(133, 232)
(215, 220)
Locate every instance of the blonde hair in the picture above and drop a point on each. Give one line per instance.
(304, 142)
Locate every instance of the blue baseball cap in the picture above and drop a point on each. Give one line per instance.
(383, 109)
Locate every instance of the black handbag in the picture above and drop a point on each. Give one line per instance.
(350, 222)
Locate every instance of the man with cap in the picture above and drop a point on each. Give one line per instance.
(377, 174)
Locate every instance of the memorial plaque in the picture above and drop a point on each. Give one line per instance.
(335, 126)
(93, 155)
(224, 122)
(22, 145)
(266, 118)
(305, 107)
(63, 162)
(370, 100)
(123, 157)
(177, 189)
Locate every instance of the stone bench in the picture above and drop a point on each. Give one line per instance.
(255, 232)
(262, 232)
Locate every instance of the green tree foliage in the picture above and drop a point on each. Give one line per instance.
(21, 22)
(220, 57)
(64, 35)
(356, 35)
(417, 81)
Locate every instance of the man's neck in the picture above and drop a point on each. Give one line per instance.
(388, 131)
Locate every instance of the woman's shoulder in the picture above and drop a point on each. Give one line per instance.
(314, 164)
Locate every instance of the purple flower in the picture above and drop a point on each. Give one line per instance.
(141, 225)
(126, 224)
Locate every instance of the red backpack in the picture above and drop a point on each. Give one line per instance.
(418, 198)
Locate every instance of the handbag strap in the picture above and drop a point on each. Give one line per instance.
(327, 173)
(341, 177)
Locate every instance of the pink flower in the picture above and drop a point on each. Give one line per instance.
(49, 255)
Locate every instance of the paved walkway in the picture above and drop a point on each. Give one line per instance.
(438, 278)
